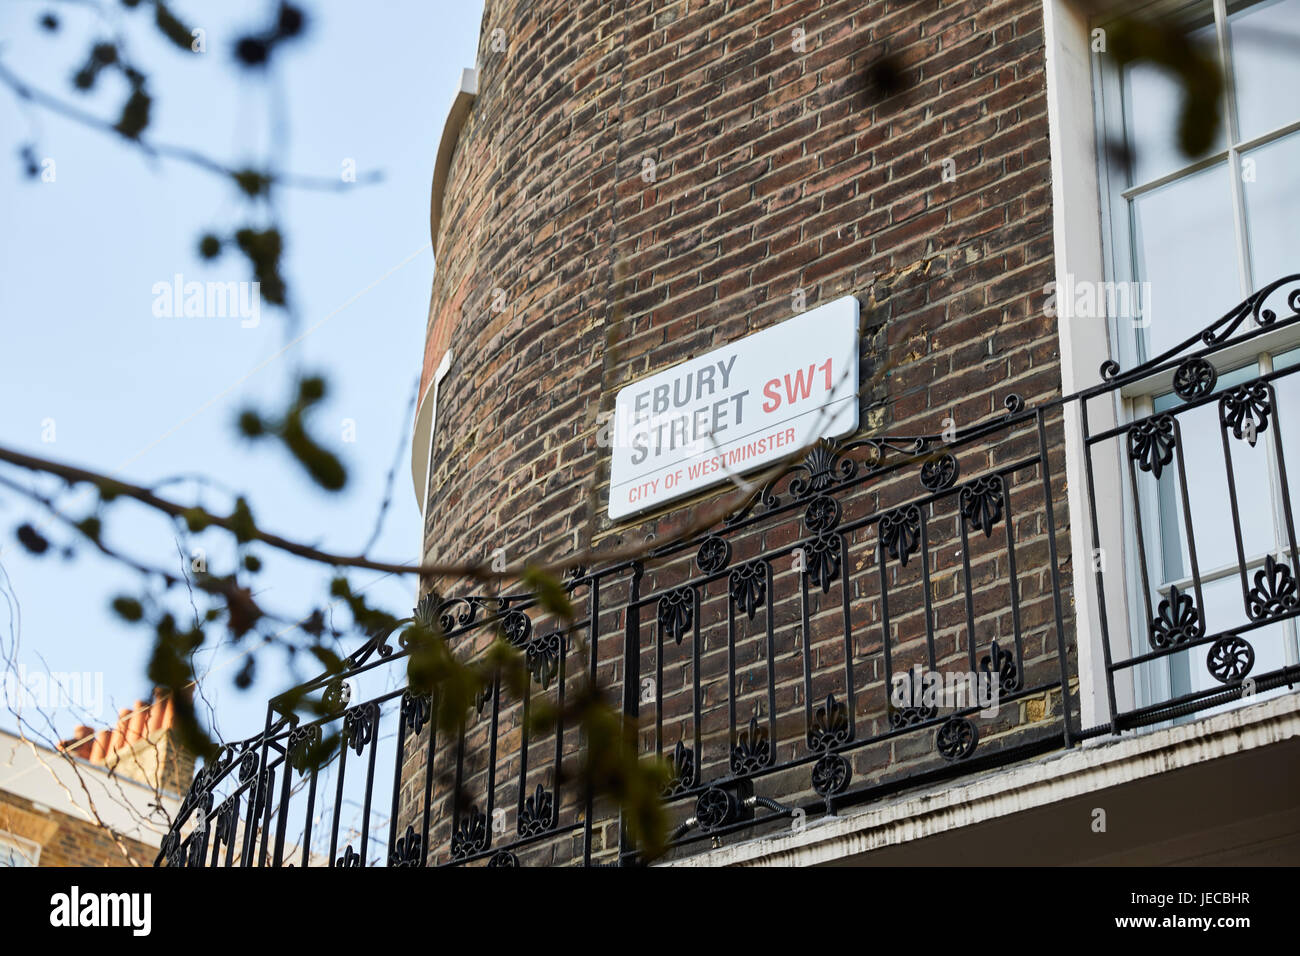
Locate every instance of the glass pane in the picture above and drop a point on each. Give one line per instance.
(1288, 419)
(1225, 610)
(1265, 41)
(1185, 247)
(1152, 100)
(1207, 491)
(1272, 187)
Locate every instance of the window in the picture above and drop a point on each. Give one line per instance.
(15, 851)
(1200, 235)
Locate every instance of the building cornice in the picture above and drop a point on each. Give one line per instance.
(456, 117)
(1087, 769)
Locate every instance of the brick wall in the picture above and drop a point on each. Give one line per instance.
(67, 840)
(775, 171)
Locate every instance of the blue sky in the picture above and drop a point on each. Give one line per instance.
(147, 397)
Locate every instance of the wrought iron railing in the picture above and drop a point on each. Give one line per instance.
(1247, 429)
(764, 659)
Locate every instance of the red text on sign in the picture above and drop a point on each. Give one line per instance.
(797, 387)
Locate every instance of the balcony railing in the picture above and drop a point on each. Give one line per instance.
(892, 612)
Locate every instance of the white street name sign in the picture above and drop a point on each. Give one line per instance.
(735, 409)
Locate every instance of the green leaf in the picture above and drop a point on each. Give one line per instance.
(251, 182)
(322, 465)
(135, 114)
(251, 424)
(332, 663)
(263, 250)
(196, 519)
(241, 522)
(209, 246)
(109, 490)
(128, 608)
(550, 592)
(32, 540)
(311, 389)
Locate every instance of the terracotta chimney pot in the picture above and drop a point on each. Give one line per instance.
(99, 749)
(139, 722)
(83, 739)
(119, 731)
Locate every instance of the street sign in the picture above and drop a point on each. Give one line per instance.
(735, 409)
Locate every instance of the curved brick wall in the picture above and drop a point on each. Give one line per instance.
(775, 170)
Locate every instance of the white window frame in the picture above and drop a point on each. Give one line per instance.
(1077, 250)
(1086, 250)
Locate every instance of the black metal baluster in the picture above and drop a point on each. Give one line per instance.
(923, 524)
(1140, 531)
(593, 635)
(338, 795)
(631, 683)
(881, 556)
(970, 597)
(430, 754)
(457, 801)
(492, 758)
(214, 860)
(370, 783)
(311, 808)
(249, 846)
(659, 689)
(848, 638)
(698, 688)
(205, 831)
(1056, 582)
(731, 683)
(265, 786)
(1013, 576)
(282, 818)
(1287, 514)
(231, 837)
(523, 755)
(771, 661)
(1098, 577)
(397, 772)
(806, 639)
(559, 728)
